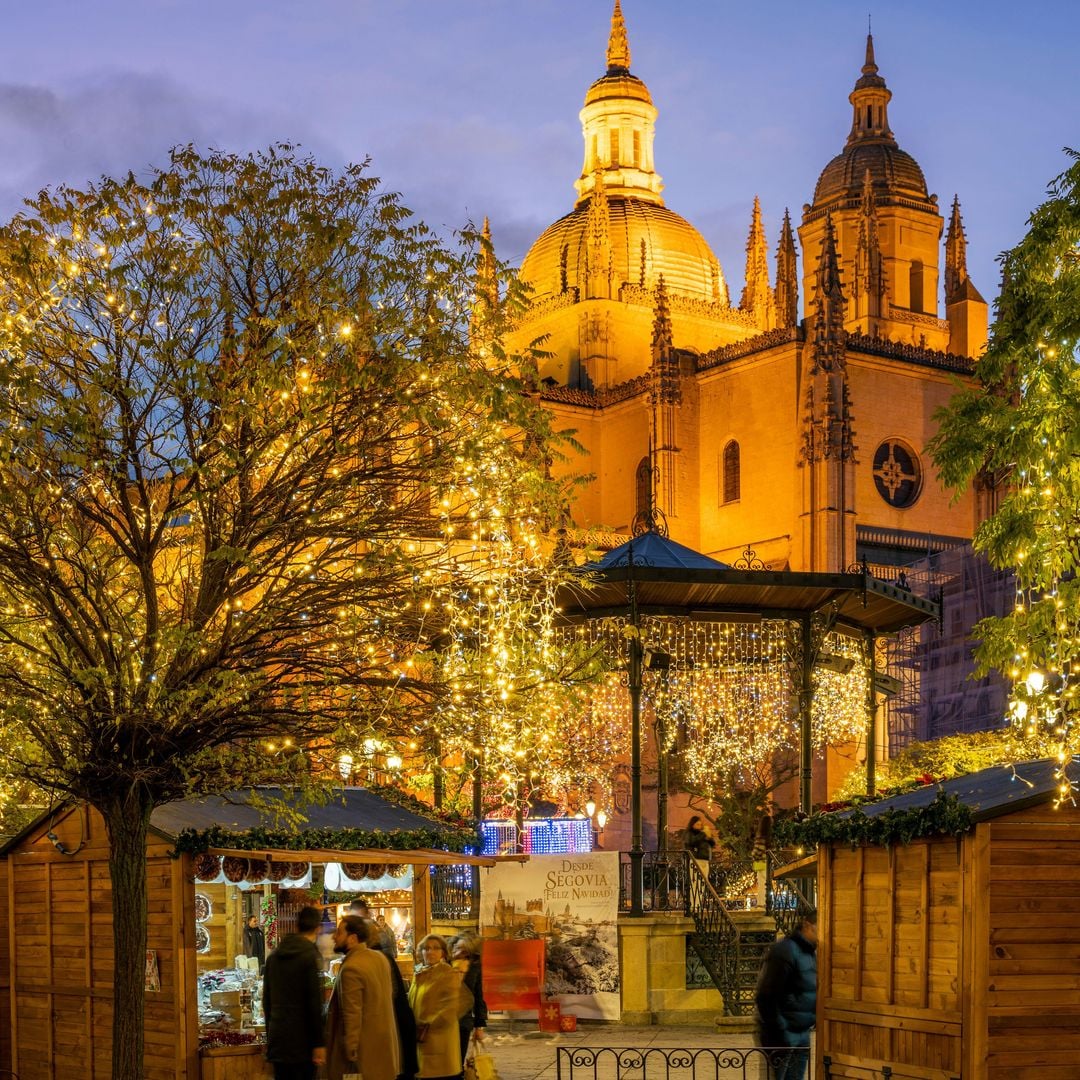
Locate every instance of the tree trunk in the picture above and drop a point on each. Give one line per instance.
(127, 818)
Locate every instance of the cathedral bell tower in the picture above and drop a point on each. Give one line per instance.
(888, 226)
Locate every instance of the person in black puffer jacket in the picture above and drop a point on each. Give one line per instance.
(786, 999)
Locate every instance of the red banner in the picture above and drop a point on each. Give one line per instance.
(513, 974)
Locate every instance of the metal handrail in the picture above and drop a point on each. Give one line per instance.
(789, 898)
(716, 939)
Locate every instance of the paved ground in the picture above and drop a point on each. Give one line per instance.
(523, 1053)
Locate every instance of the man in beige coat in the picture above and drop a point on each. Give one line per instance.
(361, 1034)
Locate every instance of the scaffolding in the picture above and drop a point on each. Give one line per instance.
(937, 694)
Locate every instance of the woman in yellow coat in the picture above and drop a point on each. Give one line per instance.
(438, 998)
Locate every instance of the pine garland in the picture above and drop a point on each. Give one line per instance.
(447, 839)
(946, 815)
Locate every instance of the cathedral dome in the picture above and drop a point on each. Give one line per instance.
(871, 148)
(645, 240)
(890, 168)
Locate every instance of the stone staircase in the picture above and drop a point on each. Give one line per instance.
(731, 944)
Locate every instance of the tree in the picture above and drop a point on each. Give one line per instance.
(1017, 434)
(243, 438)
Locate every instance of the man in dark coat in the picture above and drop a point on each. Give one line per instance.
(293, 1001)
(787, 999)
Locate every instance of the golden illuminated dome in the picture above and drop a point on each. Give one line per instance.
(645, 240)
(871, 148)
(620, 233)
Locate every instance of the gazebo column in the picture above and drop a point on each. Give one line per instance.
(637, 855)
(806, 707)
(871, 713)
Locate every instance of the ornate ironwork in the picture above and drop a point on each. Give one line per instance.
(749, 561)
(665, 882)
(661, 1063)
(454, 893)
(732, 957)
(861, 566)
(649, 520)
(789, 898)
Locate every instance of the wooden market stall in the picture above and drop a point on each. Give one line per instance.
(56, 934)
(956, 955)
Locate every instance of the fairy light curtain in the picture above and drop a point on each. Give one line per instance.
(728, 692)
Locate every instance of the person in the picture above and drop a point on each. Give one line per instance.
(699, 841)
(293, 1002)
(438, 999)
(387, 941)
(786, 999)
(361, 1036)
(255, 940)
(465, 957)
(403, 1014)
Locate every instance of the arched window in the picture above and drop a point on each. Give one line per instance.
(643, 487)
(916, 280)
(731, 485)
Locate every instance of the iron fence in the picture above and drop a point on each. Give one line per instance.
(688, 1063)
(660, 1063)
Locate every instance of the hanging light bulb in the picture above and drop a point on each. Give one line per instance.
(601, 819)
(344, 765)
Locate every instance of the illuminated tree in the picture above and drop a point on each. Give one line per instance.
(1017, 434)
(244, 439)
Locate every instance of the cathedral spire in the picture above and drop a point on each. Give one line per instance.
(598, 285)
(619, 126)
(486, 286)
(757, 297)
(829, 336)
(787, 278)
(662, 341)
(618, 50)
(955, 255)
(870, 100)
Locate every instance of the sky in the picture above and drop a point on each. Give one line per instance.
(470, 107)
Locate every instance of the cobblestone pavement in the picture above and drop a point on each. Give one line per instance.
(523, 1053)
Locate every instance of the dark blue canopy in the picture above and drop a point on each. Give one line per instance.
(656, 551)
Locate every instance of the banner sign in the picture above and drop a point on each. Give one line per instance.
(571, 904)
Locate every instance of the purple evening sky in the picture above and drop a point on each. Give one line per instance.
(469, 107)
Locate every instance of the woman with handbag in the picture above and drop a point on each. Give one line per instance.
(465, 957)
(438, 998)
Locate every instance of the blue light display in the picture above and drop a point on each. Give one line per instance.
(543, 836)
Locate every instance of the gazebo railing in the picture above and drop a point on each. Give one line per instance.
(789, 897)
(455, 893)
(665, 881)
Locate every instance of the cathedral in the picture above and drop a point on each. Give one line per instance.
(787, 428)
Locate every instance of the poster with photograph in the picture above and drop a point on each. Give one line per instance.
(571, 903)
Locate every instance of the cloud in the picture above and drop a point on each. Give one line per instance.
(118, 122)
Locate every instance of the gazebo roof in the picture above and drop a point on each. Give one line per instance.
(654, 551)
(670, 579)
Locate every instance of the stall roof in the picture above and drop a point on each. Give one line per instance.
(347, 808)
(989, 793)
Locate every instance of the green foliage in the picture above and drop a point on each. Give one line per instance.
(946, 815)
(1018, 431)
(942, 759)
